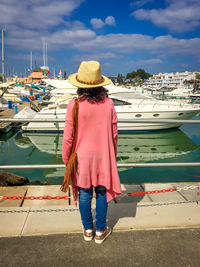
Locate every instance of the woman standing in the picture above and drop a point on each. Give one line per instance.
(96, 148)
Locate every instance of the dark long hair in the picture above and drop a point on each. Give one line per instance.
(92, 95)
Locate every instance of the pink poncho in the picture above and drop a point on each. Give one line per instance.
(96, 146)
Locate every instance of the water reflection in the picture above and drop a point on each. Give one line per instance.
(4, 137)
(153, 146)
(164, 146)
(132, 147)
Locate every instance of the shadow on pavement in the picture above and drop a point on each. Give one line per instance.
(116, 211)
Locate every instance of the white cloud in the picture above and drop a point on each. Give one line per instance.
(75, 25)
(99, 56)
(22, 39)
(126, 43)
(110, 20)
(26, 57)
(82, 39)
(179, 16)
(36, 14)
(140, 3)
(70, 37)
(97, 23)
(184, 65)
(145, 62)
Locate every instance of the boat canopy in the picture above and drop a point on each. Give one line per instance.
(64, 84)
(4, 85)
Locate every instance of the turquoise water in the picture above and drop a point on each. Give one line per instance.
(177, 145)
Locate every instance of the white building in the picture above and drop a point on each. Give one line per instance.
(172, 80)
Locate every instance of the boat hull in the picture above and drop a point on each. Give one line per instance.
(135, 126)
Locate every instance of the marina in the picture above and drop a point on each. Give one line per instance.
(40, 141)
(124, 170)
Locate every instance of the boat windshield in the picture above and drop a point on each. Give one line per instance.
(118, 102)
(130, 95)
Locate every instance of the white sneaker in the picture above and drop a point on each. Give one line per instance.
(100, 237)
(88, 234)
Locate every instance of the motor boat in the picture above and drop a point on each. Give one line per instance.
(128, 105)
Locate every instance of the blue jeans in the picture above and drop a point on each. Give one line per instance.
(85, 198)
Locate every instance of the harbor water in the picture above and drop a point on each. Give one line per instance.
(175, 145)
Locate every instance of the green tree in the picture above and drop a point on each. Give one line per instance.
(198, 76)
(139, 73)
(129, 76)
(143, 74)
(120, 78)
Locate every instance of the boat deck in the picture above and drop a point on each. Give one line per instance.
(9, 114)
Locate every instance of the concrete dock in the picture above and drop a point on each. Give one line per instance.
(177, 209)
(148, 230)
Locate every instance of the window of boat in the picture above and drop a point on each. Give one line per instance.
(180, 114)
(138, 115)
(156, 115)
(118, 102)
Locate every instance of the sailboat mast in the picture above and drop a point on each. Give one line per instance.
(46, 54)
(43, 43)
(3, 63)
(31, 61)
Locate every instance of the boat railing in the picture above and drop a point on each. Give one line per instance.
(141, 102)
(155, 103)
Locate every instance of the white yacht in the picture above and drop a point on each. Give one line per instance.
(128, 105)
(180, 92)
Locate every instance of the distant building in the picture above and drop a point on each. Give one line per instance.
(34, 77)
(172, 80)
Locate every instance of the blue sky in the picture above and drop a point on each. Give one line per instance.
(159, 36)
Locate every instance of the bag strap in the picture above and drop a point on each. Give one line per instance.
(75, 111)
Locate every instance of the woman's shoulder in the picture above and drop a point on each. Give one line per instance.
(109, 101)
(71, 101)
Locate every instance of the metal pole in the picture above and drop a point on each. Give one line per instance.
(119, 165)
(31, 65)
(119, 121)
(3, 63)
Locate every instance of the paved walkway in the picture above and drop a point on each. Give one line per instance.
(151, 230)
(162, 248)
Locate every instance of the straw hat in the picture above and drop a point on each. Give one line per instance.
(89, 75)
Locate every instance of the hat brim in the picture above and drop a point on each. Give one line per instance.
(73, 81)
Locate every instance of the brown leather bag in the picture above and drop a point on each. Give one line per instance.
(72, 164)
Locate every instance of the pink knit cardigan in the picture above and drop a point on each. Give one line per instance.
(96, 146)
